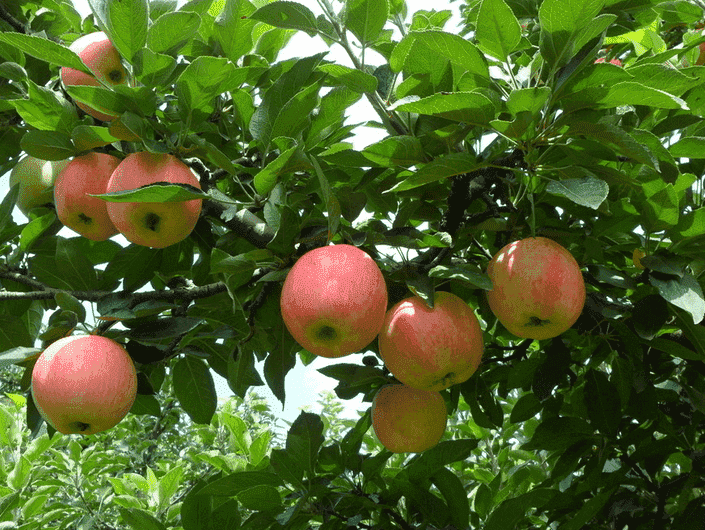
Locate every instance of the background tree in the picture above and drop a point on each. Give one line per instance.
(507, 129)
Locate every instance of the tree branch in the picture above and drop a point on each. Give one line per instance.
(12, 21)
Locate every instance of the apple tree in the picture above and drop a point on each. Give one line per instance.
(579, 121)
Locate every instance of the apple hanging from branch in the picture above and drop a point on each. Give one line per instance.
(538, 290)
(333, 300)
(431, 349)
(36, 179)
(84, 384)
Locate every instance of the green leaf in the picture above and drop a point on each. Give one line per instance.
(684, 292)
(588, 510)
(468, 107)
(235, 483)
(366, 18)
(690, 147)
(201, 81)
(498, 31)
(556, 434)
(242, 373)
(285, 14)
(349, 77)
(616, 136)
(587, 191)
(47, 145)
(525, 408)
(127, 22)
(45, 50)
(171, 31)
(156, 192)
(439, 456)
(455, 496)
(260, 498)
(561, 22)
(439, 168)
(139, 519)
(195, 390)
(396, 151)
(268, 177)
(304, 440)
(511, 512)
(87, 137)
(287, 468)
(233, 28)
(603, 403)
(45, 109)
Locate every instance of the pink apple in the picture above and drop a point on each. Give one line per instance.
(538, 290)
(85, 175)
(333, 300)
(153, 224)
(84, 384)
(431, 349)
(103, 59)
(36, 179)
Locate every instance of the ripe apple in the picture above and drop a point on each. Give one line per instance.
(36, 178)
(616, 62)
(408, 420)
(103, 59)
(333, 300)
(431, 349)
(84, 175)
(153, 224)
(538, 291)
(84, 384)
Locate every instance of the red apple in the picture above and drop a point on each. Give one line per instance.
(86, 174)
(616, 62)
(333, 300)
(408, 420)
(153, 224)
(431, 349)
(84, 384)
(36, 179)
(538, 289)
(103, 59)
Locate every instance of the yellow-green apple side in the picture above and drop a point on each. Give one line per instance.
(84, 384)
(153, 224)
(431, 349)
(36, 179)
(103, 59)
(538, 289)
(408, 420)
(333, 300)
(84, 176)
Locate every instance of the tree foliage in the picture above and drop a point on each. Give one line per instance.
(507, 128)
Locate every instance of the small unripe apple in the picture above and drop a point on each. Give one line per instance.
(431, 349)
(408, 420)
(36, 179)
(538, 290)
(103, 59)
(85, 175)
(333, 300)
(84, 384)
(153, 224)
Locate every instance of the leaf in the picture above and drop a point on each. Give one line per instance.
(690, 147)
(201, 81)
(498, 31)
(556, 434)
(47, 145)
(267, 178)
(139, 519)
(349, 77)
(290, 15)
(396, 151)
(242, 373)
(287, 468)
(195, 390)
(586, 191)
(616, 136)
(304, 441)
(561, 23)
(439, 456)
(525, 408)
(365, 18)
(684, 292)
(171, 31)
(455, 496)
(127, 22)
(511, 512)
(260, 498)
(603, 403)
(439, 168)
(234, 483)
(156, 192)
(467, 107)
(45, 50)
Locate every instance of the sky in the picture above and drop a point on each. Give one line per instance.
(304, 384)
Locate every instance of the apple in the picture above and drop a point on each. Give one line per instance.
(36, 179)
(616, 62)
(538, 290)
(333, 300)
(431, 349)
(84, 384)
(103, 59)
(408, 420)
(701, 54)
(85, 175)
(153, 224)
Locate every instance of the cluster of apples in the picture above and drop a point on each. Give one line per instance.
(71, 185)
(334, 303)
